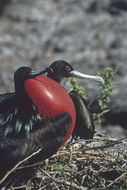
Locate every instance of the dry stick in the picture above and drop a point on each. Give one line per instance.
(125, 173)
(29, 166)
(41, 188)
(103, 146)
(20, 187)
(89, 148)
(64, 182)
(56, 186)
(19, 163)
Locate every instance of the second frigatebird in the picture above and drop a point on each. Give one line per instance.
(60, 71)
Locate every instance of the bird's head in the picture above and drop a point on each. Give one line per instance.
(61, 69)
(23, 74)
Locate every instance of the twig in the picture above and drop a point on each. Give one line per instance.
(125, 173)
(19, 163)
(20, 187)
(29, 166)
(64, 182)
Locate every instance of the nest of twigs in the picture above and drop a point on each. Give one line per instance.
(100, 163)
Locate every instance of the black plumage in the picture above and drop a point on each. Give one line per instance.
(22, 131)
(60, 71)
(48, 138)
(84, 126)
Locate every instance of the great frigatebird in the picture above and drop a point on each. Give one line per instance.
(60, 71)
(23, 130)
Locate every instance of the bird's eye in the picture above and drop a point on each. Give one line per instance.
(67, 68)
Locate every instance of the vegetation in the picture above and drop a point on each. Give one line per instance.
(105, 91)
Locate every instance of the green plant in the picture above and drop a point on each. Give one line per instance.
(105, 91)
(58, 168)
(79, 89)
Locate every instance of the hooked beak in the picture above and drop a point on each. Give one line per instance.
(33, 74)
(77, 74)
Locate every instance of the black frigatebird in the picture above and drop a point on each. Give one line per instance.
(22, 130)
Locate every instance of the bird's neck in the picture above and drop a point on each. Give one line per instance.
(21, 94)
(65, 83)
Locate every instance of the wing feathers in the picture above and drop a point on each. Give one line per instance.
(84, 127)
(48, 136)
(17, 116)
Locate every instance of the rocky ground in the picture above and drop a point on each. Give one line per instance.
(90, 35)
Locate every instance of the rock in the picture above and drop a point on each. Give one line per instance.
(116, 131)
(3, 4)
(112, 6)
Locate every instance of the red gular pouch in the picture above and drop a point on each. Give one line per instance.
(50, 98)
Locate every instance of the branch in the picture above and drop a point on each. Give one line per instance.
(19, 163)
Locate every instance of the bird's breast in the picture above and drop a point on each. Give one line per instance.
(50, 98)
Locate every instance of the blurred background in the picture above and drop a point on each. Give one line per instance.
(91, 35)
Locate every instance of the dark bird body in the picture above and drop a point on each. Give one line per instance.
(60, 71)
(84, 126)
(22, 129)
